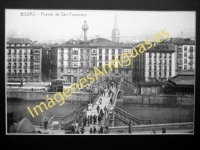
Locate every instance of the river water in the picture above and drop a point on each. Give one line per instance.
(19, 109)
(160, 114)
(156, 114)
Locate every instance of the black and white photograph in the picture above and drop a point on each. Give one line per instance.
(99, 72)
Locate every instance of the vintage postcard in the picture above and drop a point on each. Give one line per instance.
(99, 72)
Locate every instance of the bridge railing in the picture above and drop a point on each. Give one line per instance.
(116, 93)
(121, 114)
(126, 81)
(94, 102)
(73, 114)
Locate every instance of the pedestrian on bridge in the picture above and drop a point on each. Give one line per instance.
(45, 124)
(101, 130)
(99, 119)
(91, 118)
(94, 118)
(98, 109)
(100, 100)
(105, 109)
(88, 121)
(101, 111)
(111, 100)
(94, 130)
(90, 130)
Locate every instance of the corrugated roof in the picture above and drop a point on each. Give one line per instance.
(19, 41)
(183, 79)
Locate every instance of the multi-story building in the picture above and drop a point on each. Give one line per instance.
(67, 62)
(155, 64)
(184, 54)
(23, 59)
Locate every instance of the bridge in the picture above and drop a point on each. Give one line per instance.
(115, 115)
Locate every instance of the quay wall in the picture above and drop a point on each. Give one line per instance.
(42, 96)
(163, 100)
(169, 126)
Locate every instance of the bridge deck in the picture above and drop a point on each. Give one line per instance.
(105, 102)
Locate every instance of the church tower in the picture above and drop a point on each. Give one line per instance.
(115, 31)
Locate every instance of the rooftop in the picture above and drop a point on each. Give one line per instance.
(162, 47)
(186, 78)
(19, 41)
(99, 42)
(151, 83)
(180, 41)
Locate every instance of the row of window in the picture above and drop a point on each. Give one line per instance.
(81, 70)
(159, 73)
(155, 67)
(161, 62)
(185, 67)
(25, 71)
(18, 44)
(160, 55)
(94, 51)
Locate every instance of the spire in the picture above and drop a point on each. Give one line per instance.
(115, 31)
(115, 23)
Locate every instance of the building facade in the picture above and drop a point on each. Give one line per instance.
(68, 61)
(155, 64)
(23, 59)
(184, 54)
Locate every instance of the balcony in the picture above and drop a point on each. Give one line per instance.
(9, 74)
(61, 59)
(20, 74)
(36, 74)
(191, 50)
(191, 56)
(190, 63)
(179, 50)
(36, 66)
(75, 66)
(25, 67)
(75, 53)
(36, 60)
(25, 60)
(180, 56)
(19, 67)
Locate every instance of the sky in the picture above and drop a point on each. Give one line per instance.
(46, 26)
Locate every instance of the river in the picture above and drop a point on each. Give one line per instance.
(19, 109)
(156, 114)
(160, 114)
